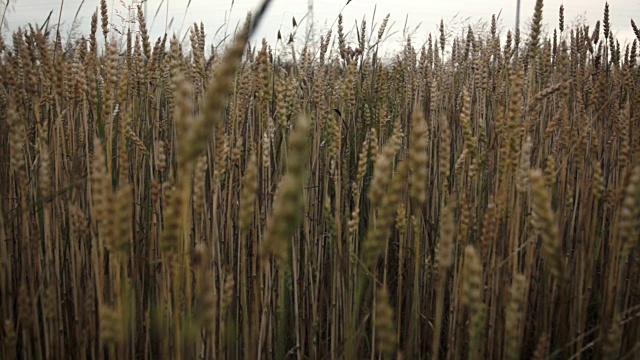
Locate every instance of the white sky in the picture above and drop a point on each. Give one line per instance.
(214, 13)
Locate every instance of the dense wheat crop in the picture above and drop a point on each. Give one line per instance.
(476, 197)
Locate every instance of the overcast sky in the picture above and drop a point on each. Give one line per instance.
(427, 14)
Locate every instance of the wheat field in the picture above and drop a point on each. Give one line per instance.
(476, 197)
